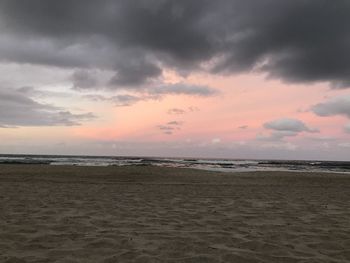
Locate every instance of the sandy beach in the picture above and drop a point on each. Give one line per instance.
(150, 214)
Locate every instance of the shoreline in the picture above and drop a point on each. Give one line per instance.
(216, 165)
(211, 170)
(157, 214)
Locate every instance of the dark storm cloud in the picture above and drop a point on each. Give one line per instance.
(332, 107)
(17, 109)
(135, 74)
(296, 41)
(82, 79)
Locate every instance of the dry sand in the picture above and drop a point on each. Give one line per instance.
(149, 214)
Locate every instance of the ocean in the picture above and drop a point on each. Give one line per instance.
(222, 165)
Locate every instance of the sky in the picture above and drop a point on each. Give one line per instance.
(257, 79)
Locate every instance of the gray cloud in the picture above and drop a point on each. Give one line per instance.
(176, 123)
(39, 93)
(170, 127)
(335, 106)
(166, 128)
(32, 92)
(276, 135)
(135, 74)
(296, 41)
(183, 89)
(282, 128)
(17, 109)
(118, 100)
(83, 79)
(288, 125)
(347, 128)
(125, 100)
(176, 111)
(157, 93)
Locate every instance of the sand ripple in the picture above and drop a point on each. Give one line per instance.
(270, 218)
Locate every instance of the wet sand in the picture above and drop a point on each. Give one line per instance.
(150, 214)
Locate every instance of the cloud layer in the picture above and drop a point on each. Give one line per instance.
(17, 109)
(296, 41)
(332, 107)
(156, 93)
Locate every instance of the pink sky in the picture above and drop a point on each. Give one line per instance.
(259, 79)
(246, 100)
(234, 116)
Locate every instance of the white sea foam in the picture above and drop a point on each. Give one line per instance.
(222, 165)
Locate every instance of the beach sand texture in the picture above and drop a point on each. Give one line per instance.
(150, 214)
